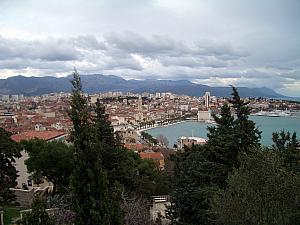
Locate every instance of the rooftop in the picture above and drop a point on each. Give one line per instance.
(44, 135)
(151, 155)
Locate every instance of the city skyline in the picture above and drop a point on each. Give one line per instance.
(244, 43)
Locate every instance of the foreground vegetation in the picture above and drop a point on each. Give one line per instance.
(233, 179)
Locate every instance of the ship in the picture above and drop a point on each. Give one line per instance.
(276, 113)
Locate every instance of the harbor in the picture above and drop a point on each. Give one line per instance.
(266, 124)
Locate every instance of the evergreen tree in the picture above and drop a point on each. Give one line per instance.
(52, 160)
(89, 182)
(246, 134)
(261, 191)
(192, 187)
(112, 157)
(200, 170)
(288, 147)
(105, 131)
(221, 146)
(9, 150)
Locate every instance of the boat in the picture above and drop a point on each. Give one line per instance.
(276, 113)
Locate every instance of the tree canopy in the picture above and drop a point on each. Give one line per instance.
(9, 150)
(288, 146)
(53, 160)
(261, 191)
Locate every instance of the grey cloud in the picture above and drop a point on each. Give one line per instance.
(115, 52)
(171, 52)
(123, 63)
(220, 49)
(89, 42)
(157, 57)
(49, 49)
(19, 64)
(135, 43)
(193, 61)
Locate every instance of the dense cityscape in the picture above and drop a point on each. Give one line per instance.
(49, 112)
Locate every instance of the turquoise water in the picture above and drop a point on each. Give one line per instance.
(267, 125)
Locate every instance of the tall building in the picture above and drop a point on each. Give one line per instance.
(207, 99)
(140, 103)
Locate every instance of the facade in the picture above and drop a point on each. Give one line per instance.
(204, 115)
(128, 135)
(189, 141)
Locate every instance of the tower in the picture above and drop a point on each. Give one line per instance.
(207, 99)
(140, 103)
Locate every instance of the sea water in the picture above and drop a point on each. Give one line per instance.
(267, 125)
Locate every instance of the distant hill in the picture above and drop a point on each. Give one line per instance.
(96, 83)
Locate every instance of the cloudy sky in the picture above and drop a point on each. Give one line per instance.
(250, 43)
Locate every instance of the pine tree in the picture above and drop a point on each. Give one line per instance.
(221, 145)
(89, 181)
(288, 146)
(9, 150)
(200, 170)
(247, 135)
(52, 160)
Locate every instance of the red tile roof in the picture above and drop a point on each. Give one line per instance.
(151, 155)
(44, 135)
(134, 146)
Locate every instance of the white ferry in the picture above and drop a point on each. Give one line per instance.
(276, 113)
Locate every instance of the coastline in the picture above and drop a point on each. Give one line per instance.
(267, 125)
(171, 124)
(158, 126)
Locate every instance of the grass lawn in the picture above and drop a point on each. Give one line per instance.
(10, 213)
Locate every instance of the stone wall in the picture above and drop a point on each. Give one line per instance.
(25, 197)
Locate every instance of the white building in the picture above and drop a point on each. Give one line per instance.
(184, 107)
(207, 99)
(204, 115)
(189, 141)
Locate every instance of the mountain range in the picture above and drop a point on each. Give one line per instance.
(97, 83)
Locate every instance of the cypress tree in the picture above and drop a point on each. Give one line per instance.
(221, 146)
(120, 164)
(105, 131)
(89, 180)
